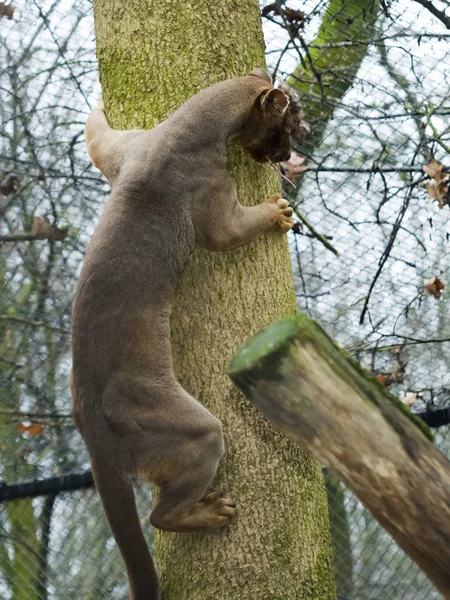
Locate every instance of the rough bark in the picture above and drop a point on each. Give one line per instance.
(315, 394)
(152, 57)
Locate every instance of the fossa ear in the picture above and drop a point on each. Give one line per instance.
(274, 100)
(262, 74)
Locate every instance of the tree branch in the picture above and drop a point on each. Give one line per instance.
(33, 323)
(439, 14)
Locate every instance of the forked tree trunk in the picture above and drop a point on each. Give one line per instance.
(153, 55)
(319, 397)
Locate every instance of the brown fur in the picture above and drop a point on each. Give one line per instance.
(170, 193)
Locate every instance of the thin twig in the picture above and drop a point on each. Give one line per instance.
(18, 237)
(281, 174)
(34, 323)
(315, 233)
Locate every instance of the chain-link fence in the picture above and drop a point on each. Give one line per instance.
(58, 543)
(367, 564)
(372, 81)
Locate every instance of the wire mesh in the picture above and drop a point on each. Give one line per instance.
(372, 79)
(60, 546)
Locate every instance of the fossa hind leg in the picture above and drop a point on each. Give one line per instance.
(178, 450)
(184, 506)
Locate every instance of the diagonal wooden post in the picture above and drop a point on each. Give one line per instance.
(311, 390)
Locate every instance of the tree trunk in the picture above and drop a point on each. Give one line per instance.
(322, 399)
(153, 56)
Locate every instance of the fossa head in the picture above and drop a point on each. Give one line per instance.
(266, 134)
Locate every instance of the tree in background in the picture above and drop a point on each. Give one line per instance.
(42, 177)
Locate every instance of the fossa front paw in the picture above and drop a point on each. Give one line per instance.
(283, 217)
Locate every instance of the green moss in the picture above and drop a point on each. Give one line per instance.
(266, 342)
(263, 354)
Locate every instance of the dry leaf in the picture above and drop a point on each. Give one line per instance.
(295, 16)
(385, 380)
(7, 10)
(433, 168)
(434, 287)
(44, 230)
(33, 429)
(291, 14)
(410, 398)
(293, 167)
(438, 189)
(58, 234)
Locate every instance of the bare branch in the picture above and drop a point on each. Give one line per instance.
(439, 14)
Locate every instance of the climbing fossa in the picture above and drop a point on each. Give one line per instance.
(171, 192)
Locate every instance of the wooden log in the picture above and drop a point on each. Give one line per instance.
(312, 391)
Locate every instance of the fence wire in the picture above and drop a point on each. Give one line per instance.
(370, 167)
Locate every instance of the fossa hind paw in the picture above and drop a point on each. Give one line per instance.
(217, 510)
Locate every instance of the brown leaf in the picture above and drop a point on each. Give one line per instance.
(42, 228)
(434, 287)
(7, 10)
(410, 398)
(293, 167)
(58, 235)
(438, 189)
(293, 15)
(9, 185)
(433, 168)
(386, 380)
(33, 429)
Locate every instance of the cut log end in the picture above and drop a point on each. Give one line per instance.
(263, 345)
(263, 356)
